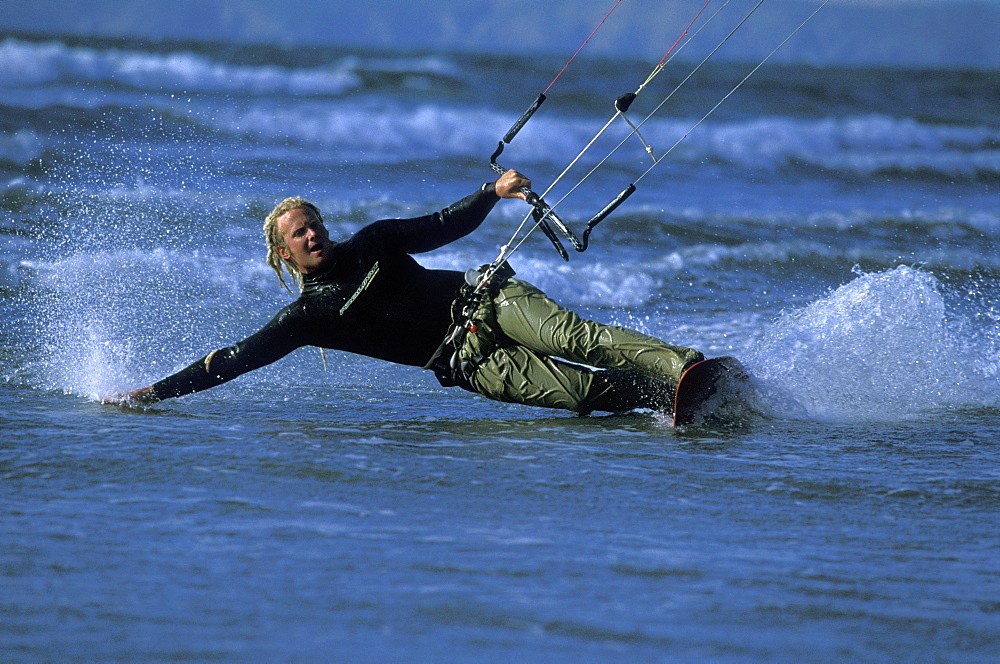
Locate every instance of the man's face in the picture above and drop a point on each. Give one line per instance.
(307, 242)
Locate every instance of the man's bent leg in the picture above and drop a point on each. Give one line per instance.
(529, 317)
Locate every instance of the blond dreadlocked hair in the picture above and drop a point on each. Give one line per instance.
(272, 236)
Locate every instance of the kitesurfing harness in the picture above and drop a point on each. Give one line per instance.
(448, 363)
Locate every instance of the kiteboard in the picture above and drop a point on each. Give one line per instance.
(708, 389)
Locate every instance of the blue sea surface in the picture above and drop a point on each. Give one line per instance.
(835, 228)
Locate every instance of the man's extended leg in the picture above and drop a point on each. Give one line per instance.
(520, 375)
(528, 317)
(520, 329)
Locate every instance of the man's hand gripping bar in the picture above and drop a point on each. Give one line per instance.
(543, 214)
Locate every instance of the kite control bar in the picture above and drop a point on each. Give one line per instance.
(544, 214)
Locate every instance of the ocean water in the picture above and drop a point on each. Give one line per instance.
(836, 229)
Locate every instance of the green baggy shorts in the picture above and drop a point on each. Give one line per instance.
(534, 349)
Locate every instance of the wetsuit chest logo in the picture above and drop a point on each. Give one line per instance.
(365, 283)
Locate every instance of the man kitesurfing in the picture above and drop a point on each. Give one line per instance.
(502, 337)
(368, 295)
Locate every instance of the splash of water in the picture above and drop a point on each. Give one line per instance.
(880, 348)
(107, 322)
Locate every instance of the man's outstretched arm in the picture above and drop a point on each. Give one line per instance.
(275, 340)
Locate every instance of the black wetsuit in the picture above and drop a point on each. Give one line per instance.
(374, 299)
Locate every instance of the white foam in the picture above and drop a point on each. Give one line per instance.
(854, 146)
(28, 64)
